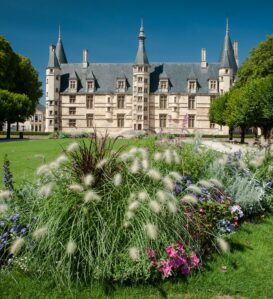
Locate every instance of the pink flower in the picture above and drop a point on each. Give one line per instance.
(171, 251)
(152, 256)
(185, 270)
(179, 261)
(180, 246)
(166, 268)
(194, 260)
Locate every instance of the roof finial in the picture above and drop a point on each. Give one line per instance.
(227, 29)
(141, 23)
(60, 36)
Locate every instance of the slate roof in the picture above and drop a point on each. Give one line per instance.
(106, 74)
(60, 53)
(52, 61)
(141, 57)
(40, 107)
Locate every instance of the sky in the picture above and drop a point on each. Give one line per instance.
(176, 30)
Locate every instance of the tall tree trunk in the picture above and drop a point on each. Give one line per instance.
(8, 130)
(230, 133)
(243, 133)
(256, 133)
(17, 126)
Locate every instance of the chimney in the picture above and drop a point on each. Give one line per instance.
(204, 58)
(235, 47)
(85, 58)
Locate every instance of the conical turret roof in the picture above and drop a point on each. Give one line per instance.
(141, 57)
(60, 53)
(52, 61)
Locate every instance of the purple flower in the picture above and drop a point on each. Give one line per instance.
(171, 251)
(15, 217)
(166, 268)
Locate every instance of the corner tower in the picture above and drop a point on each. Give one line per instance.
(228, 64)
(141, 85)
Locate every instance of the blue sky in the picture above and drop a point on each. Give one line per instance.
(176, 30)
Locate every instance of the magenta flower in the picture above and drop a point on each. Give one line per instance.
(179, 261)
(185, 270)
(194, 260)
(166, 268)
(171, 251)
(180, 246)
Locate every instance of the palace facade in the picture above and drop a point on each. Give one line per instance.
(116, 97)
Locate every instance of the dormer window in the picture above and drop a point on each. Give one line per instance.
(213, 84)
(121, 84)
(90, 85)
(192, 85)
(72, 85)
(163, 84)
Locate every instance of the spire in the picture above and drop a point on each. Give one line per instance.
(60, 53)
(141, 57)
(227, 58)
(52, 61)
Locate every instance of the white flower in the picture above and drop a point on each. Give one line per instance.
(154, 206)
(194, 189)
(16, 246)
(167, 181)
(76, 188)
(101, 163)
(40, 232)
(172, 207)
(134, 253)
(133, 205)
(145, 164)
(3, 208)
(175, 175)
(71, 247)
(117, 179)
(88, 180)
(72, 147)
(151, 231)
(135, 166)
(45, 190)
(161, 195)
(158, 156)
(5, 194)
(223, 244)
(168, 156)
(154, 174)
(190, 199)
(43, 170)
(142, 195)
(90, 196)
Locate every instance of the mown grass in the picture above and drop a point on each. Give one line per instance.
(246, 272)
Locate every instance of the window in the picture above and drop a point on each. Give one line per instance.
(139, 89)
(50, 112)
(40, 128)
(36, 117)
(145, 117)
(90, 85)
(191, 121)
(51, 122)
(226, 71)
(163, 84)
(72, 99)
(120, 119)
(57, 89)
(139, 99)
(72, 110)
(192, 84)
(51, 71)
(108, 109)
(162, 120)
(140, 68)
(145, 108)
(222, 91)
(46, 81)
(139, 108)
(57, 77)
(146, 80)
(72, 123)
(145, 90)
(89, 120)
(212, 125)
(174, 100)
(163, 102)
(56, 113)
(121, 84)
(139, 117)
(89, 102)
(121, 102)
(72, 84)
(191, 102)
(109, 100)
(139, 79)
(50, 103)
(212, 84)
(145, 100)
(175, 109)
(145, 69)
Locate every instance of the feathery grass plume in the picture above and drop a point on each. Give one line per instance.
(61, 159)
(158, 156)
(242, 164)
(216, 183)
(143, 153)
(205, 183)
(40, 232)
(5, 194)
(43, 170)
(129, 215)
(189, 199)
(133, 151)
(223, 161)
(195, 189)
(71, 247)
(154, 206)
(76, 188)
(223, 244)
(172, 206)
(175, 175)
(53, 165)
(176, 157)
(142, 195)
(117, 179)
(101, 163)
(125, 156)
(16, 246)
(134, 253)
(45, 190)
(145, 164)
(168, 183)
(162, 196)
(257, 162)
(90, 196)
(126, 224)
(168, 156)
(154, 174)
(3, 208)
(88, 180)
(72, 147)
(151, 231)
(135, 166)
(132, 197)
(133, 205)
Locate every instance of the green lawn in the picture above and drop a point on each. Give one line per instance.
(248, 274)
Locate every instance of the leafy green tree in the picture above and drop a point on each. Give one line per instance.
(14, 106)
(259, 64)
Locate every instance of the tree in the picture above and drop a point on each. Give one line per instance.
(259, 64)
(14, 106)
